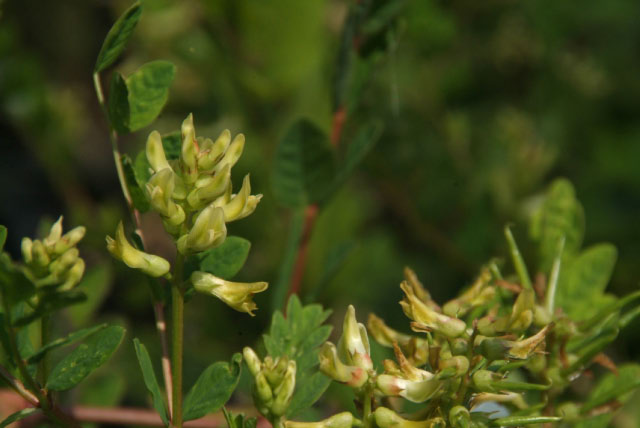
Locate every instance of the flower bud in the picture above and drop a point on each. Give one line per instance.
(252, 360)
(211, 152)
(416, 391)
(412, 281)
(340, 420)
(460, 363)
(331, 366)
(263, 390)
(237, 295)
(354, 342)
(232, 154)
(426, 318)
(512, 398)
(26, 246)
(60, 265)
(40, 257)
(189, 152)
(387, 418)
(459, 417)
(155, 152)
(74, 275)
(208, 231)
(148, 263)
(209, 189)
(160, 188)
(54, 234)
(483, 380)
(69, 240)
(284, 391)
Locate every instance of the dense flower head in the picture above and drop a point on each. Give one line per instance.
(193, 194)
(55, 260)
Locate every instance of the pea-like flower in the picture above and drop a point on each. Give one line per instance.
(387, 418)
(55, 260)
(237, 295)
(416, 348)
(122, 250)
(340, 420)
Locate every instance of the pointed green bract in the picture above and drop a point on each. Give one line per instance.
(148, 92)
(150, 381)
(118, 37)
(85, 358)
(213, 388)
(304, 166)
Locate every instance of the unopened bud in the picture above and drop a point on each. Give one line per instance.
(340, 420)
(354, 342)
(211, 152)
(74, 275)
(208, 231)
(148, 263)
(60, 265)
(209, 189)
(387, 418)
(459, 417)
(26, 246)
(284, 391)
(331, 366)
(232, 154)
(69, 240)
(483, 380)
(39, 253)
(54, 234)
(238, 295)
(189, 152)
(242, 204)
(459, 363)
(155, 152)
(252, 360)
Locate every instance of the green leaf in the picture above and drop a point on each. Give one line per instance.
(303, 170)
(561, 215)
(613, 387)
(64, 341)
(95, 284)
(136, 191)
(172, 145)
(213, 388)
(118, 104)
(14, 285)
(118, 37)
(358, 149)
(582, 284)
(298, 337)
(148, 92)
(150, 380)
(224, 261)
(49, 302)
(239, 420)
(334, 261)
(3, 236)
(19, 415)
(85, 358)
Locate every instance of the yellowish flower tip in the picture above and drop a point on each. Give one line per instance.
(339, 420)
(237, 295)
(354, 342)
(150, 264)
(155, 152)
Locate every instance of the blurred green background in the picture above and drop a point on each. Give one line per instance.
(483, 104)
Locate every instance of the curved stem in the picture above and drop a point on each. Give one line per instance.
(177, 341)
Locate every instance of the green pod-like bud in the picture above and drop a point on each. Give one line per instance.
(40, 256)
(208, 231)
(459, 346)
(74, 275)
(459, 417)
(493, 348)
(483, 380)
(354, 343)
(340, 420)
(232, 154)
(237, 295)
(252, 360)
(284, 391)
(150, 264)
(69, 240)
(26, 246)
(211, 152)
(387, 418)
(54, 234)
(263, 391)
(155, 152)
(331, 366)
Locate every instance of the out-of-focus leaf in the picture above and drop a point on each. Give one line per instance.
(118, 104)
(19, 415)
(102, 389)
(14, 285)
(95, 284)
(149, 376)
(148, 92)
(3, 236)
(298, 337)
(51, 302)
(64, 341)
(614, 387)
(335, 260)
(357, 150)
(304, 168)
(213, 388)
(118, 37)
(239, 420)
(562, 215)
(85, 358)
(584, 280)
(138, 197)
(224, 261)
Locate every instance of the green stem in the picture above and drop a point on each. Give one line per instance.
(366, 408)
(177, 340)
(45, 337)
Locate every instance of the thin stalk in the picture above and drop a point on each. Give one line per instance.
(45, 337)
(161, 326)
(553, 278)
(19, 387)
(518, 261)
(366, 408)
(177, 341)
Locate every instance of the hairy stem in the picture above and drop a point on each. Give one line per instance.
(177, 341)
